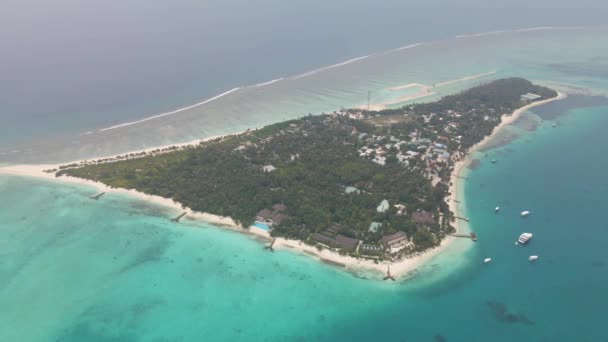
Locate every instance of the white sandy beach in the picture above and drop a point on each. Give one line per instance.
(398, 268)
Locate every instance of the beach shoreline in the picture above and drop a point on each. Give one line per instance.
(398, 268)
(460, 166)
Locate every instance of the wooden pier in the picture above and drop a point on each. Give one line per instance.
(471, 236)
(388, 274)
(462, 218)
(96, 197)
(460, 177)
(269, 247)
(179, 217)
(455, 201)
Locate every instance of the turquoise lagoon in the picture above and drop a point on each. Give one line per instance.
(73, 269)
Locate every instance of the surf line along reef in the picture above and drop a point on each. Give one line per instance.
(369, 185)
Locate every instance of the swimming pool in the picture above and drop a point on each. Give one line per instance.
(261, 225)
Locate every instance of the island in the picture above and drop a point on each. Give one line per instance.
(368, 184)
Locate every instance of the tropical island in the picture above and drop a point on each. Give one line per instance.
(370, 184)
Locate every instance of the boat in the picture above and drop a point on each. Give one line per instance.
(554, 125)
(497, 209)
(525, 213)
(533, 257)
(493, 161)
(487, 260)
(524, 238)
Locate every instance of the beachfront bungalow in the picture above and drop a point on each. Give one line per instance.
(267, 217)
(322, 239)
(277, 218)
(263, 215)
(339, 241)
(346, 243)
(396, 242)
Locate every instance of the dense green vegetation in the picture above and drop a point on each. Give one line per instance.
(316, 157)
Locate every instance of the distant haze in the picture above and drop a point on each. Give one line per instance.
(82, 64)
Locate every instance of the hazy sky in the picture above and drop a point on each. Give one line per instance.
(67, 58)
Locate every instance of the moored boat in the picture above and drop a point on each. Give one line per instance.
(533, 257)
(497, 209)
(524, 238)
(487, 260)
(525, 213)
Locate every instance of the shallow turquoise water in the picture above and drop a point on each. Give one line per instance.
(73, 269)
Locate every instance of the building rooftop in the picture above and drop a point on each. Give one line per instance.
(268, 168)
(279, 207)
(351, 189)
(346, 242)
(423, 217)
(374, 226)
(394, 238)
(383, 207)
(264, 213)
(530, 96)
(277, 218)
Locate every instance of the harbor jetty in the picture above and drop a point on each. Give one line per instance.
(388, 274)
(96, 197)
(471, 236)
(269, 247)
(176, 219)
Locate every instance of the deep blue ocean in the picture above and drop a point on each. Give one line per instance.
(72, 269)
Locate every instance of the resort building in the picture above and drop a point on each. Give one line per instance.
(401, 209)
(268, 168)
(383, 207)
(529, 97)
(330, 238)
(423, 217)
(351, 189)
(395, 242)
(367, 249)
(374, 226)
(266, 218)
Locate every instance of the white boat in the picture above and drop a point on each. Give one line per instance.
(525, 213)
(533, 257)
(497, 209)
(524, 238)
(487, 260)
